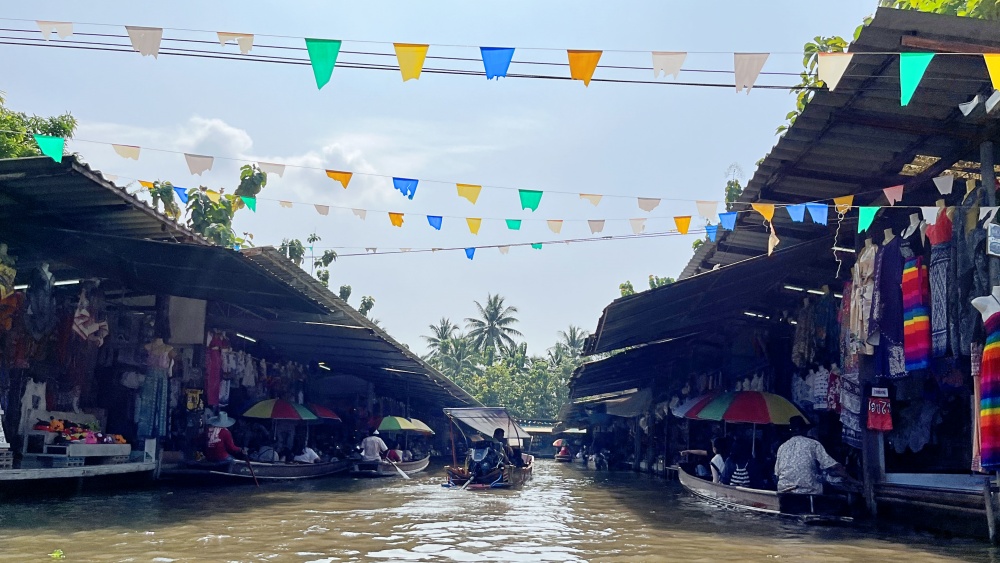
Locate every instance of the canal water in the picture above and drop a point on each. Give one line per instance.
(566, 513)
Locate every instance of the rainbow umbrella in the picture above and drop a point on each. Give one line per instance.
(756, 407)
(420, 427)
(279, 409)
(559, 443)
(395, 424)
(322, 412)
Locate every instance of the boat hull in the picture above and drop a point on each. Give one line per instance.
(511, 476)
(239, 471)
(564, 458)
(386, 469)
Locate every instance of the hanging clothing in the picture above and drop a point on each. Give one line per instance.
(213, 368)
(848, 353)
(916, 304)
(971, 270)
(803, 345)
(32, 400)
(989, 404)
(826, 333)
(885, 328)
(152, 403)
(977, 396)
(939, 234)
(863, 287)
(850, 409)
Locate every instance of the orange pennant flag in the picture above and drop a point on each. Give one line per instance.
(683, 224)
(396, 219)
(469, 192)
(582, 64)
(411, 59)
(343, 177)
(765, 209)
(145, 184)
(843, 203)
(474, 224)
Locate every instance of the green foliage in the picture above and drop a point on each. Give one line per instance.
(809, 77)
(733, 192)
(697, 243)
(656, 281)
(252, 181)
(324, 277)
(440, 333)
(213, 220)
(163, 194)
(367, 302)
(345, 292)
(979, 9)
(493, 330)
(626, 288)
(293, 250)
(20, 143)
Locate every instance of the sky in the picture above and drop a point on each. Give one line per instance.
(628, 140)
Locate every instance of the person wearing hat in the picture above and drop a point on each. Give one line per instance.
(219, 446)
(373, 447)
(801, 461)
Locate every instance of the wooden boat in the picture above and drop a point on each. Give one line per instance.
(238, 470)
(756, 500)
(564, 458)
(493, 463)
(386, 469)
(505, 477)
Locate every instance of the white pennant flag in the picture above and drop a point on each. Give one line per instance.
(555, 225)
(270, 168)
(127, 151)
(285, 204)
(596, 225)
(198, 164)
(988, 211)
(930, 214)
(62, 29)
(110, 177)
(638, 225)
(944, 183)
(504, 249)
(669, 63)
(707, 209)
(322, 209)
(145, 40)
(970, 105)
(748, 67)
(648, 203)
(772, 242)
(371, 249)
(362, 213)
(832, 67)
(594, 199)
(244, 40)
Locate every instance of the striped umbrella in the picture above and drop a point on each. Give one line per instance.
(395, 424)
(755, 407)
(421, 427)
(322, 412)
(279, 409)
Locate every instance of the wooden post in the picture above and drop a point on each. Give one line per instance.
(990, 514)
(987, 160)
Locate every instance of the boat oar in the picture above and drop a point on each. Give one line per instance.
(398, 470)
(250, 467)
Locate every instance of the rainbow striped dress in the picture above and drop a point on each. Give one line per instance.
(916, 305)
(989, 402)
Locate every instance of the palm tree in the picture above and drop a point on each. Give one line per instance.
(440, 332)
(556, 354)
(573, 340)
(457, 358)
(493, 330)
(516, 357)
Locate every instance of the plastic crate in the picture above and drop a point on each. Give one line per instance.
(6, 459)
(68, 461)
(118, 459)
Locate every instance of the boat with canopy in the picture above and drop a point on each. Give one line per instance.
(494, 459)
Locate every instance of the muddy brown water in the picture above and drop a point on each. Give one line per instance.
(566, 513)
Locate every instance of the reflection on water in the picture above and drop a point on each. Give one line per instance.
(565, 514)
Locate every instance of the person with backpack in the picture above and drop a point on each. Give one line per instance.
(740, 469)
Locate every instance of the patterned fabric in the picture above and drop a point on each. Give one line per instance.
(863, 289)
(989, 403)
(885, 328)
(916, 314)
(850, 409)
(151, 408)
(799, 466)
(971, 271)
(848, 352)
(977, 396)
(803, 345)
(939, 278)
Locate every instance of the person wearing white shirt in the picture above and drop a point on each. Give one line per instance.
(373, 447)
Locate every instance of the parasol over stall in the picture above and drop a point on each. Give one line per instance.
(420, 427)
(395, 424)
(280, 409)
(751, 407)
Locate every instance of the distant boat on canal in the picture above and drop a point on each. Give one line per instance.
(489, 463)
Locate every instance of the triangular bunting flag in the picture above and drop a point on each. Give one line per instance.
(496, 61)
(648, 203)
(504, 249)
(667, 63)
(728, 220)
(707, 209)
(594, 199)
(213, 195)
(944, 183)
(911, 69)
(893, 194)
(514, 224)
(323, 55)
(930, 214)
(748, 67)
(596, 225)
(474, 224)
(371, 249)
(244, 40)
(797, 212)
(411, 59)
(536, 245)
(765, 209)
(343, 177)
(360, 213)
(992, 65)
(405, 249)
(51, 147)
(396, 219)
(182, 194)
(818, 212)
(555, 225)
(683, 224)
(772, 242)
(843, 203)
(712, 231)
(832, 67)
(62, 29)
(149, 186)
(530, 199)
(470, 252)
(145, 40)
(866, 215)
(322, 209)
(405, 186)
(970, 105)
(251, 203)
(988, 213)
(198, 164)
(127, 151)
(638, 225)
(435, 221)
(582, 64)
(113, 178)
(469, 192)
(285, 204)
(269, 168)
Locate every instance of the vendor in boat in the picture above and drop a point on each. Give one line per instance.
(801, 461)
(720, 452)
(504, 447)
(372, 447)
(219, 446)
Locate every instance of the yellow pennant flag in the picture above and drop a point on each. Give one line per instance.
(396, 219)
(843, 203)
(582, 64)
(411, 59)
(474, 224)
(555, 225)
(683, 224)
(765, 209)
(469, 192)
(213, 195)
(594, 199)
(993, 66)
(145, 184)
(343, 177)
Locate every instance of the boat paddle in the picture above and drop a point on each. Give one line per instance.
(250, 467)
(398, 470)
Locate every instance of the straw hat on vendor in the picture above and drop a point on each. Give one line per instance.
(219, 446)
(221, 420)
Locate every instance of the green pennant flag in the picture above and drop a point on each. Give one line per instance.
(251, 202)
(865, 217)
(323, 57)
(530, 199)
(51, 147)
(911, 69)
(514, 224)
(536, 245)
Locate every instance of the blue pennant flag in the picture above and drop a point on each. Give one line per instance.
(435, 221)
(818, 212)
(496, 61)
(470, 252)
(728, 220)
(712, 231)
(406, 186)
(182, 193)
(797, 212)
